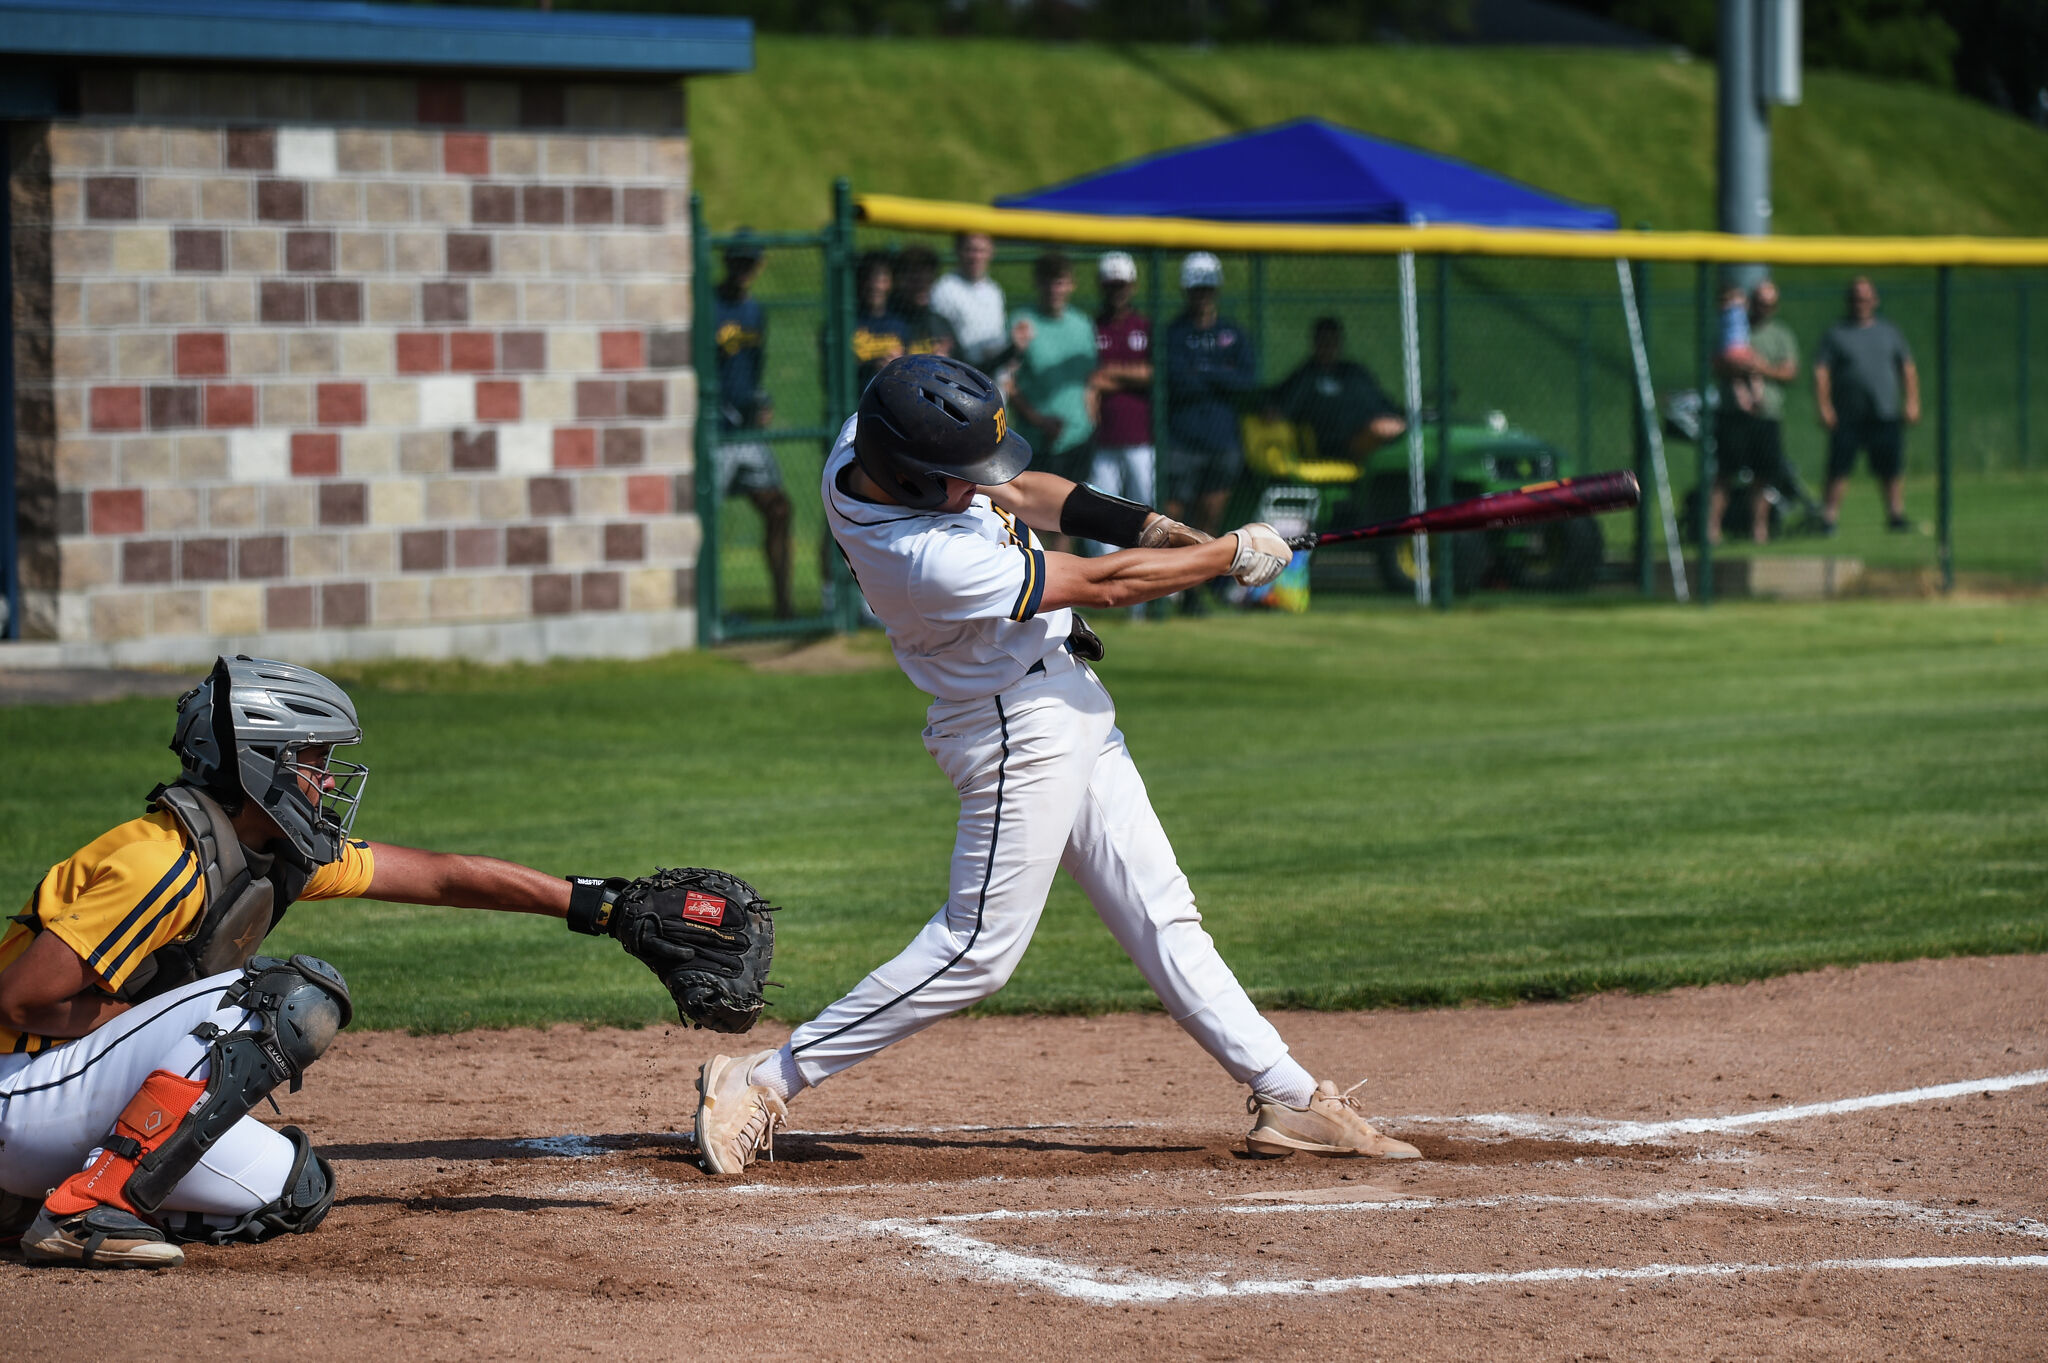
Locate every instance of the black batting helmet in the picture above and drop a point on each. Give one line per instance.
(926, 418)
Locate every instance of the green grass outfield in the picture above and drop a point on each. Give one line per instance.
(1375, 807)
(971, 120)
(2001, 528)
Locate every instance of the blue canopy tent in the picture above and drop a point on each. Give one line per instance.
(1312, 171)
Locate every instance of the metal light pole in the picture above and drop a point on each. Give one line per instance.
(1759, 67)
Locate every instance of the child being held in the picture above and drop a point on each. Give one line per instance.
(1744, 384)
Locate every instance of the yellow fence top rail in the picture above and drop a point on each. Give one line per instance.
(1187, 234)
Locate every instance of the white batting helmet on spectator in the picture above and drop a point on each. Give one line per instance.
(1117, 267)
(1201, 270)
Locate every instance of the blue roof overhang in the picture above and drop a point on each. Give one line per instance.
(333, 33)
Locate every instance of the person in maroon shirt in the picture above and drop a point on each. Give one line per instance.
(1123, 463)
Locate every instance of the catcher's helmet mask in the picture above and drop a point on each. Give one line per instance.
(927, 418)
(258, 729)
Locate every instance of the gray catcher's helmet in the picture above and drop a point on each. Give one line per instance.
(264, 730)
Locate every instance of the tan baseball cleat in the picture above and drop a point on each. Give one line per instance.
(1331, 1124)
(104, 1237)
(736, 1119)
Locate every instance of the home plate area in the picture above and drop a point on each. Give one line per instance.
(1848, 1163)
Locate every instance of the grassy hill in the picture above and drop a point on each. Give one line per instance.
(970, 120)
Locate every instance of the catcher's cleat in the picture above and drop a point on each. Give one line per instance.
(1331, 1124)
(736, 1119)
(102, 1237)
(15, 1215)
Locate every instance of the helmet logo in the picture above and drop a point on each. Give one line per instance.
(1002, 425)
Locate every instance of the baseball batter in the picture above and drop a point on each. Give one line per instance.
(928, 496)
(139, 1028)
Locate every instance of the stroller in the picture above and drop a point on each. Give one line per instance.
(1682, 413)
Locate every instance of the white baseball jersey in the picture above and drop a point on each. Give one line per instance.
(1045, 782)
(960, 595)
(976, 313)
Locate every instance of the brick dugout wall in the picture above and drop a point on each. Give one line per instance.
(346, 366)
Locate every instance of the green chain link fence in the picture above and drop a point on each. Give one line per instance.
(1525, 370)
(767, 567)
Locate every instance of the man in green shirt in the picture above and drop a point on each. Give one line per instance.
(1753, 441)
(1049, 392)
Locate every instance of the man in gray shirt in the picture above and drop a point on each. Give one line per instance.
(1868, 391)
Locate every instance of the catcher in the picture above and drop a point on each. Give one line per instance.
(139, 1027)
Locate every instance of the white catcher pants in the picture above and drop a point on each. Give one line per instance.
(1045, 782)
(56, 1108)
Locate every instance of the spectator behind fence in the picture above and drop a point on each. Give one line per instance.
(879, 335)
(917, 270)
(1868, 392)
(972, 303)
(1749, 432)
(1049, 394)
(1337, 399)
(747, 467)
(1209, 368)
(1736, 359)
(1123, 464)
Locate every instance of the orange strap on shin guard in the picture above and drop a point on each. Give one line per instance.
(147, 1122)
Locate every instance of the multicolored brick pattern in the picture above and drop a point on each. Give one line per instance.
(332, 377)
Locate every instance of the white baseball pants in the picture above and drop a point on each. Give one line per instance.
(1045, 782)
(56, 1108)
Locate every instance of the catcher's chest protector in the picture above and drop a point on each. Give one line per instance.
(242, 901)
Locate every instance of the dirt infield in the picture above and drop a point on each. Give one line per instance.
(1077, 1189)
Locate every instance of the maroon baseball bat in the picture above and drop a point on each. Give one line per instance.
(1553, 501)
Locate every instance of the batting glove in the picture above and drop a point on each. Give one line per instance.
(1261, 555)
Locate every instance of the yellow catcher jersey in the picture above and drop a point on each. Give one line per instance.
(131, 890)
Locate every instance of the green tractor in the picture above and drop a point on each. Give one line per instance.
(1561, 556)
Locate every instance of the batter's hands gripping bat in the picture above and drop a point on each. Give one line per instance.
(1553, 501)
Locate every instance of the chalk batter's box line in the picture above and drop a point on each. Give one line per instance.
(1592, 1130)
(1118, 1286)
(1947, 1220)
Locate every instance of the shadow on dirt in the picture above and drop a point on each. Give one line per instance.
(488, 1202)
(512, 1148)
(803, 1147)
(1449, 1150)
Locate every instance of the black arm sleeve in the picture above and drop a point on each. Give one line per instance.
(1093, 515)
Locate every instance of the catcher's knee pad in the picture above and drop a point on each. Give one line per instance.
(298, 1005)
(303, 1204)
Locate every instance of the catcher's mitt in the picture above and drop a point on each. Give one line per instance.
(706, 936)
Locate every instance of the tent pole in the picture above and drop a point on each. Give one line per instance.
(1646, 405)
(1260, 331)
(1411, 367)
(1448, 586)
(1705, 318)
